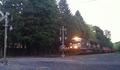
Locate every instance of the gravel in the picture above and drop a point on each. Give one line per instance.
(109, 61)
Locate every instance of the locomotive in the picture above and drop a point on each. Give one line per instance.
(81, 45)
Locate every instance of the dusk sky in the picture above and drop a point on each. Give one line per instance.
(102, 13)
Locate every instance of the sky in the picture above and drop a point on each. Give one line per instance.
(102, 13)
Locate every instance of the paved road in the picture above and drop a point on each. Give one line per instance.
(110, 61)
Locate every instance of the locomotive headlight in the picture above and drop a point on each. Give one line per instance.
(70, 46)
(75, 47)
(76, 38)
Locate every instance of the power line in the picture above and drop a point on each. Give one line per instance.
(89, 1)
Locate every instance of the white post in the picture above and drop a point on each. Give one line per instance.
(63, 38)
(5, 38)
(63, 35)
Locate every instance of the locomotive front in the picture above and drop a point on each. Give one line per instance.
(75, 44)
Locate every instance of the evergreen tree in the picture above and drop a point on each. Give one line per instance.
(38, 24)
(92, 36)
(33, 21)
(64, 18)
(82, 25)
(64, 15)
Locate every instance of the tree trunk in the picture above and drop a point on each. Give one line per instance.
(50, 52)
(1, 51)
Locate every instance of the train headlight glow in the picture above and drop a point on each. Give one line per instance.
(70, 46)
(75, 47)
(76, 38)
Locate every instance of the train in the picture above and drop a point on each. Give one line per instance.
(78, 45)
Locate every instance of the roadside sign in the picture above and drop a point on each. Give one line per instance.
(62, 47)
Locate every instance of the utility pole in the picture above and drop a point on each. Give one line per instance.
(5, 38)
(62, 33)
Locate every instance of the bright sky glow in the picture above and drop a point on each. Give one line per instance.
(102, 13)
(1, 3)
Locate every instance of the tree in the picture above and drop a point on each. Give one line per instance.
(64, 18)
(107, 34)
(84, 29)
(117, 46)
(34, 22)
(92, 35)
(39, 19)
(101, 38)
(38, 23)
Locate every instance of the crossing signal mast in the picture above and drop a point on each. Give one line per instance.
(62, 38)
(5, 38)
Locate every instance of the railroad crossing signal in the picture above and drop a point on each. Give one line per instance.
(62, 38)
(62, 47)
(63, 33)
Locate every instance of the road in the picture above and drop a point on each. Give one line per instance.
(107, 61)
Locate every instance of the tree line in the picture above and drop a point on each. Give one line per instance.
(38, 24)
(117, 46)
